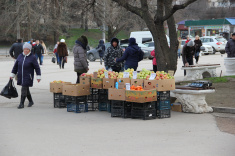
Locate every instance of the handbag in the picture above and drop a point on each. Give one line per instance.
(9, 91)
(65, 59)
(53, 59)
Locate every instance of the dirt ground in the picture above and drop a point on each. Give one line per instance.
(223, 96)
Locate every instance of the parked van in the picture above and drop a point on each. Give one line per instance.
(144, 36)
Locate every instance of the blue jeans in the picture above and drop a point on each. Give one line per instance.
(39, 57)
(57, 57)
(42, 57)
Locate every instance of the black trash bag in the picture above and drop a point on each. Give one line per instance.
(9, 91)
(53, 59)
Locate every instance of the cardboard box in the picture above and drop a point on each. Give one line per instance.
(141, 96)
(76, 90)
(121, 85)
(85, 80)
(57, 87)
(177, 107)
(109, 83)
(160, 85)
(125, 80)
(96, 83)
(137, 82)
(117, 94)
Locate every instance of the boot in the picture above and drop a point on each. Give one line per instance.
(29, 97)
(22, 102)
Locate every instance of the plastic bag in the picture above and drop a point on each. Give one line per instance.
(53, 59)
(9, 91)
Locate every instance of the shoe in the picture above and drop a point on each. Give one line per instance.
(196, 62)
(22, 102)
(29, 97)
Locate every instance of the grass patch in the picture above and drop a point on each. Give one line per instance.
(217, 79)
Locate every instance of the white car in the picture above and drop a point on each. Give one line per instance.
(218, 43)
(205, 49)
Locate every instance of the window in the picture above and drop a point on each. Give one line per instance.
(146, 40)
(211, 40)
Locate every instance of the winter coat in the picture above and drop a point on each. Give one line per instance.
(198, 44)
(230, 48)
(62, 49)
(24, 68)
(44, 48)
(16, 50)
(187, 52)
(154, 59)
(102, 46)
(133, 54)
(111, 54)
(187, 41)
(80, 59)
(38, 49)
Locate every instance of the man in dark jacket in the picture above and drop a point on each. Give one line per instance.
(38, 51)
(101, 50)
(16, 49)
(133, 54)
(230, 47)
(187, 54)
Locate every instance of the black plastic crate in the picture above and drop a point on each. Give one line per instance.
(59, 100)
(121, 112)
(103, 98)
(164, 113)
(117, 104)
(143, 114)
(103, 106)
(75, 99)
(143, 106)
(162, 105)
(109, 107)
(103, 91)
(77, 108)
(162, 96)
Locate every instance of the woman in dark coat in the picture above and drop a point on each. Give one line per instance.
(24, 67)
(101, 50)
(198, 44)
(62, 52)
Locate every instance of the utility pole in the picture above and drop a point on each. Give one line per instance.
(103, 34)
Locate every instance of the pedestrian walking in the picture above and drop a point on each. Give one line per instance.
(101, 50)
(132, 55)
(188, 39)
(80, 57)
(179, 47)
(198, 44)
(24, 67)
(16, 49)
(44, 48)
(154, 61)
(56, 54)
(38, 51)
(113, 52)
(187, 54)
(62, 53)
(230, 47)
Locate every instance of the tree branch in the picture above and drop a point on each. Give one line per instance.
(177, 7)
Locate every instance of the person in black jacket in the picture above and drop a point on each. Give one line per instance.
(101, 50)
(198, 44)
(16, 49)
(230, 47)
(187, 54)
(38, 51)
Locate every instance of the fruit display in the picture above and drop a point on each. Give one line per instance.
(138, 88)
(86, 75)
(58, 81)
(144, 74)
(120, 75)
(111, 74)
(161, 75)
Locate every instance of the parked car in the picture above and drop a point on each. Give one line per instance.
(149, 44)
(218, 43)
(93, 54)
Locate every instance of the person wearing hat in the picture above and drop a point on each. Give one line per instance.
(230, 46)
(132, 55)
(80, 57)
(62, 53)
(24, 67)
(187, 54)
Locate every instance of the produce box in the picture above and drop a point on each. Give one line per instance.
(57, 87)
(96, 83)
(137, 82)
(117, 94)
(109, 83)
(85, 80)
(76, 90)
(125, 80)
(177, 107)
(141, 96)
(160, 85)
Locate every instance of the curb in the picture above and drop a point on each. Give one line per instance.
(224, 110)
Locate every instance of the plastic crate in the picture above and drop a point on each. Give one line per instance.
(109, 107)
(164, 113)
(103, 91)
(143, 114)
(118, 104)
(162, 105)
(143, 106)
(59, 100)
(77, 108)
(102, 106)
(162, 96)
(103, 98)
(75, 99)
(121, 112)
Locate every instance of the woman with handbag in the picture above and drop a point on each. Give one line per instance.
(24, 67)
(198, 44)
(62, 53)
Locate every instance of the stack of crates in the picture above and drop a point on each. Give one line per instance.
(93, 99)
(59, 100)
(163, 104)
(76, 104)
(103, 100)
(143, 110)
(121, 109)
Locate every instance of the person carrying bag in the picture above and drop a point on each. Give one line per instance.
(9, 91)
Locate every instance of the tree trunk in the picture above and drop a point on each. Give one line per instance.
(29, 19)
(86, 21)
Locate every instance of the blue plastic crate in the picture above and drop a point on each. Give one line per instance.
(162, 105)
(77, 108)
(162, 96)
(102, 106)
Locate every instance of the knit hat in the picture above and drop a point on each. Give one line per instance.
(28, 46)
(190, 43)
(132, 41)
(62, 40)
(83, 40)
(233, 34)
